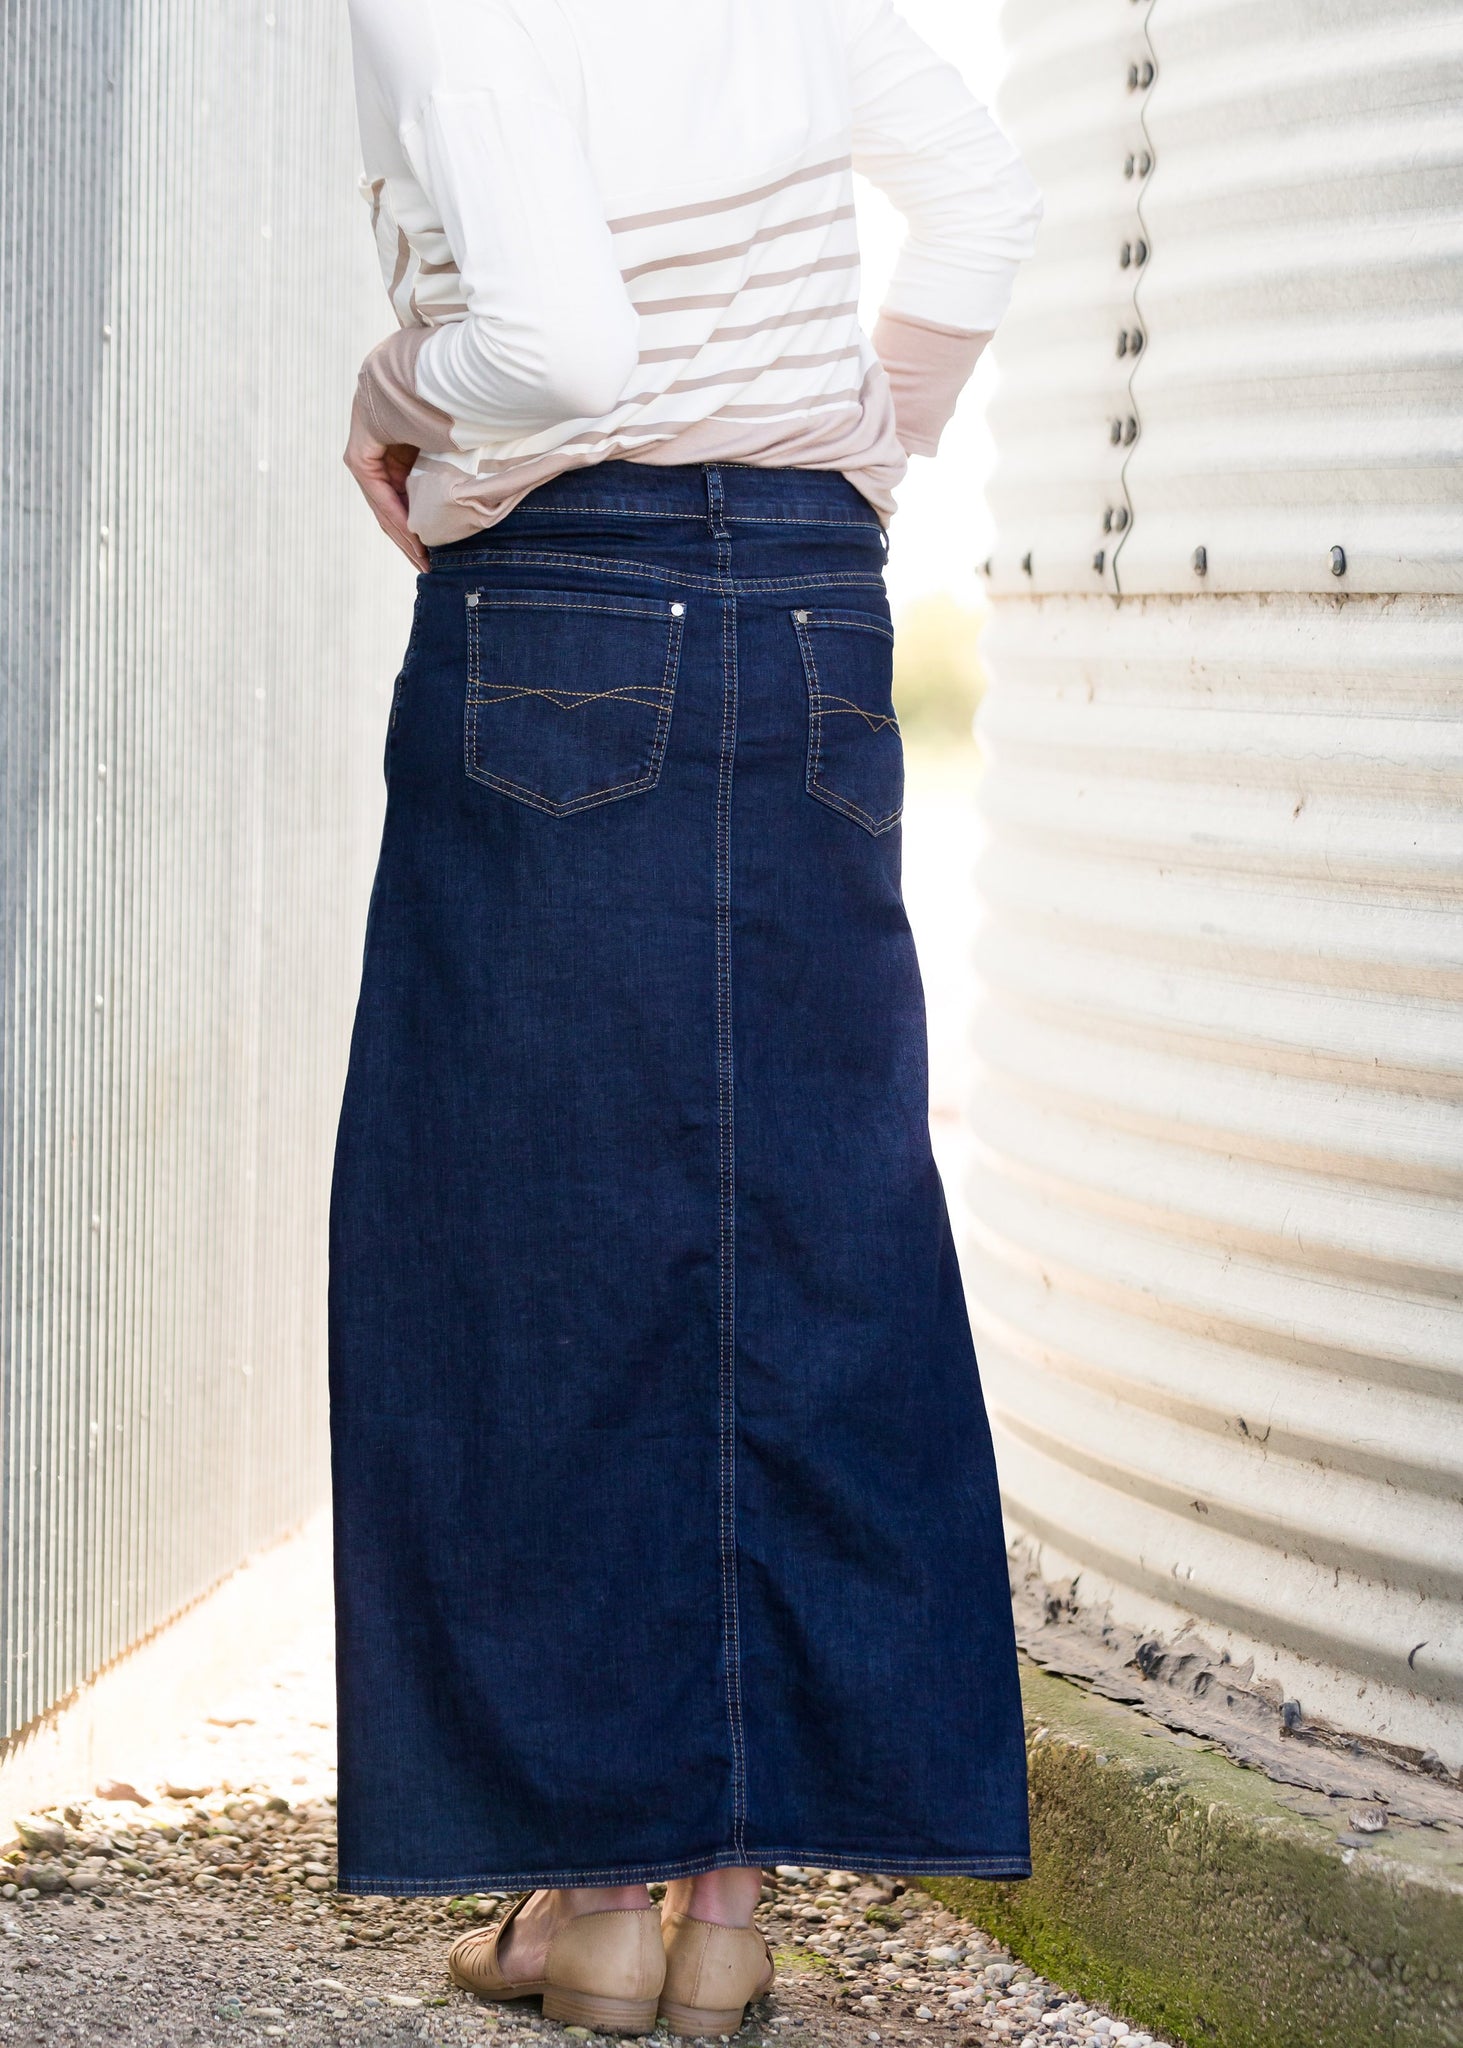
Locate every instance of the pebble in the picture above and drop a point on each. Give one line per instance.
(41, 1835)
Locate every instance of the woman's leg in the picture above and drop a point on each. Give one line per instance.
(726, 1897)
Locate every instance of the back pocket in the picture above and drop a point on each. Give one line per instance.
(569, 694)
(855, 753)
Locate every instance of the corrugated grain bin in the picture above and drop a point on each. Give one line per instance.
(1217, 1256)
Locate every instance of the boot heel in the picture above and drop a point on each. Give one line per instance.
(600, 2015)
(701, 2019)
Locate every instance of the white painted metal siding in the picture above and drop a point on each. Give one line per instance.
(198, 625)
(1217, 1257)
(1288, 190)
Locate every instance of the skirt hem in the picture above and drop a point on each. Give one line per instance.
(996, 1867)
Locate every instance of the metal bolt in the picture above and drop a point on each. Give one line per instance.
(1099, 561)
(1026, 564)
(1201, 561)
(1338, 561)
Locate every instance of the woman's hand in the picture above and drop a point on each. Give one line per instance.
(382, 472)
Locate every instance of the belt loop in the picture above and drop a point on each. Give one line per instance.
(715, 502)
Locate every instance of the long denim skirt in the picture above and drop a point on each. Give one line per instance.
(666, 1523)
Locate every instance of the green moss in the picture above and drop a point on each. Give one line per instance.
(1190, 1895)
(799, 1959)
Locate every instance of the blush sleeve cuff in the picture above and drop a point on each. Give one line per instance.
(386, 392)
(928, 367)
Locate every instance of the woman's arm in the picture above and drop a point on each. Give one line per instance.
(971, 205)
(549, 333)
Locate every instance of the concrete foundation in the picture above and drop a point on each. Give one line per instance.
(1218, 1907)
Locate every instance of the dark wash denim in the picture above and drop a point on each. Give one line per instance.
(667, 1532)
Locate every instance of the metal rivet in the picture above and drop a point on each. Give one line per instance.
(801, 617)
(1120, 518)
(1338, 561)
(1026, 564)
(1099, 561)
(678, 611)
(472, 597)
(1130, 431)
(1201, 561)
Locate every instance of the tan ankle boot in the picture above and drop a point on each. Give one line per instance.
(603, 1971)
(711, 1974)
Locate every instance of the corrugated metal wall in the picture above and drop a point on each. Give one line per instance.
(1218, 1248)
(198, 626)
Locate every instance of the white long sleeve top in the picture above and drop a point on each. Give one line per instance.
(625, 228)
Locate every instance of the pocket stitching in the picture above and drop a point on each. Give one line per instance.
(639, 608)
(803, 628)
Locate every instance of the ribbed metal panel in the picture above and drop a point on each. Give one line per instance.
(1264, 200)
(197, 627)
(1217, 1251)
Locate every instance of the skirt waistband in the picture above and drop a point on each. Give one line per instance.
(717, 496)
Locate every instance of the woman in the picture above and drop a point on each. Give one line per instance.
(668, 1542)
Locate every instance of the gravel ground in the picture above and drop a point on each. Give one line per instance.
(208, 1914)
(257, 1947)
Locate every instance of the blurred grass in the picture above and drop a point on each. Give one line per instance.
(939, 680)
